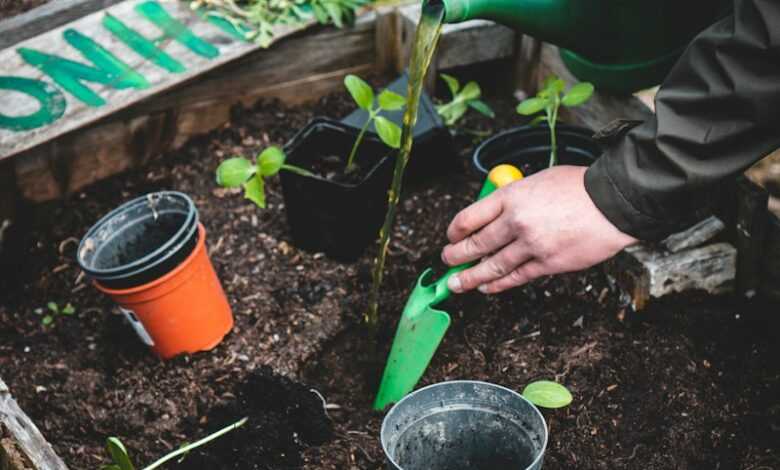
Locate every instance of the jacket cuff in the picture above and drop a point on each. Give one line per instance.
(603, 188)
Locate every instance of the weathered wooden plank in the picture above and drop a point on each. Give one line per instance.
(220, 49)
(24, 435)
(645, 272)
(45, 17)
(165, 122)
(600, 110)
(694, 236)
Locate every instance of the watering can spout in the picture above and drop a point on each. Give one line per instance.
(619, 45)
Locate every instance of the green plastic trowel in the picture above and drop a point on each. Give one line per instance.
(422, 327)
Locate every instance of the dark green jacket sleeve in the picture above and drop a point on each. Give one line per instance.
(717, 113)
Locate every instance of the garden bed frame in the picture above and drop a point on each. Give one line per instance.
(379, 42)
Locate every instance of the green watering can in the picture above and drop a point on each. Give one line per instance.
(422, 326)
(619, 45)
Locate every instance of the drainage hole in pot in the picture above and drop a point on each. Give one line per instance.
(465, 439)
(140, 239)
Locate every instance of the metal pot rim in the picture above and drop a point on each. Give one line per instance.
(536, 460)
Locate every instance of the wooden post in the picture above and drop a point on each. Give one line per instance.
(21, 444)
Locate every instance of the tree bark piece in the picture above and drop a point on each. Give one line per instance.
(647, 272)
(702, 232)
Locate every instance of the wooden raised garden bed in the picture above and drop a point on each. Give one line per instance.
(707, 360)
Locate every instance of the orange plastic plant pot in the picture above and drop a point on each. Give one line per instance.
(184, 311)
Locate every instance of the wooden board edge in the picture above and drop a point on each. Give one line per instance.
(25, 435)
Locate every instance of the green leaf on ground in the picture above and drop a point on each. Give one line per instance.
(547, 394)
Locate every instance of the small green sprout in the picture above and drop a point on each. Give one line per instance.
(462, 100)
(240, 171)
(120, 459)
(549, 99)
(55, 312)
(547, 394)
(387, 130)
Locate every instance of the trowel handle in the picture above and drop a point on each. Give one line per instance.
(499, 176)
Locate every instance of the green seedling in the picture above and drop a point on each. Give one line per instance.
(462, 99)
(549, 99)
(364, 97)
(256, 19)
(241, 172)
(120, 459)
(547, 394)
(55, 312)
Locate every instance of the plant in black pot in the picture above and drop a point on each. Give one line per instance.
(532, 147)
(335, 177)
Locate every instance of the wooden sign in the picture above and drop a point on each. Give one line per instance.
(73, 75)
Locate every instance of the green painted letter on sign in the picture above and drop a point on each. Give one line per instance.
(108, 70)
(51, 100)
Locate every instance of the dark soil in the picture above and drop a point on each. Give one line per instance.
(692, 383)
(332, 167)
(284, 417)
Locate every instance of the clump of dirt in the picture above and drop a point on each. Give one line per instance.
(284, 418)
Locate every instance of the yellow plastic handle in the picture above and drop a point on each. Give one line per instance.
(504, 174)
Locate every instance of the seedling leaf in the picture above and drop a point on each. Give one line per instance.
(453, 111)
(547, 394)
(452, 83)
(537, 120)
(388, 131)
(390, 101)
(47, 320)
(68, 310)
(234, 172)
(531, 106)
(554, 84)
(254, 190)
(53, 307)
(360, 90)
(578, 94)
(119, 454)
(470, 92)
(270, 161)
(482, 108)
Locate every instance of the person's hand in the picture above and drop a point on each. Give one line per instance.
(540, 225)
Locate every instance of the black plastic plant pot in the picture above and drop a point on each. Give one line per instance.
(433, 151)
(338, 218)
(464, 425)
(140, 241)
(528, 148)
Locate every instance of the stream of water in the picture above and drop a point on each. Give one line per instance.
(426, 39)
